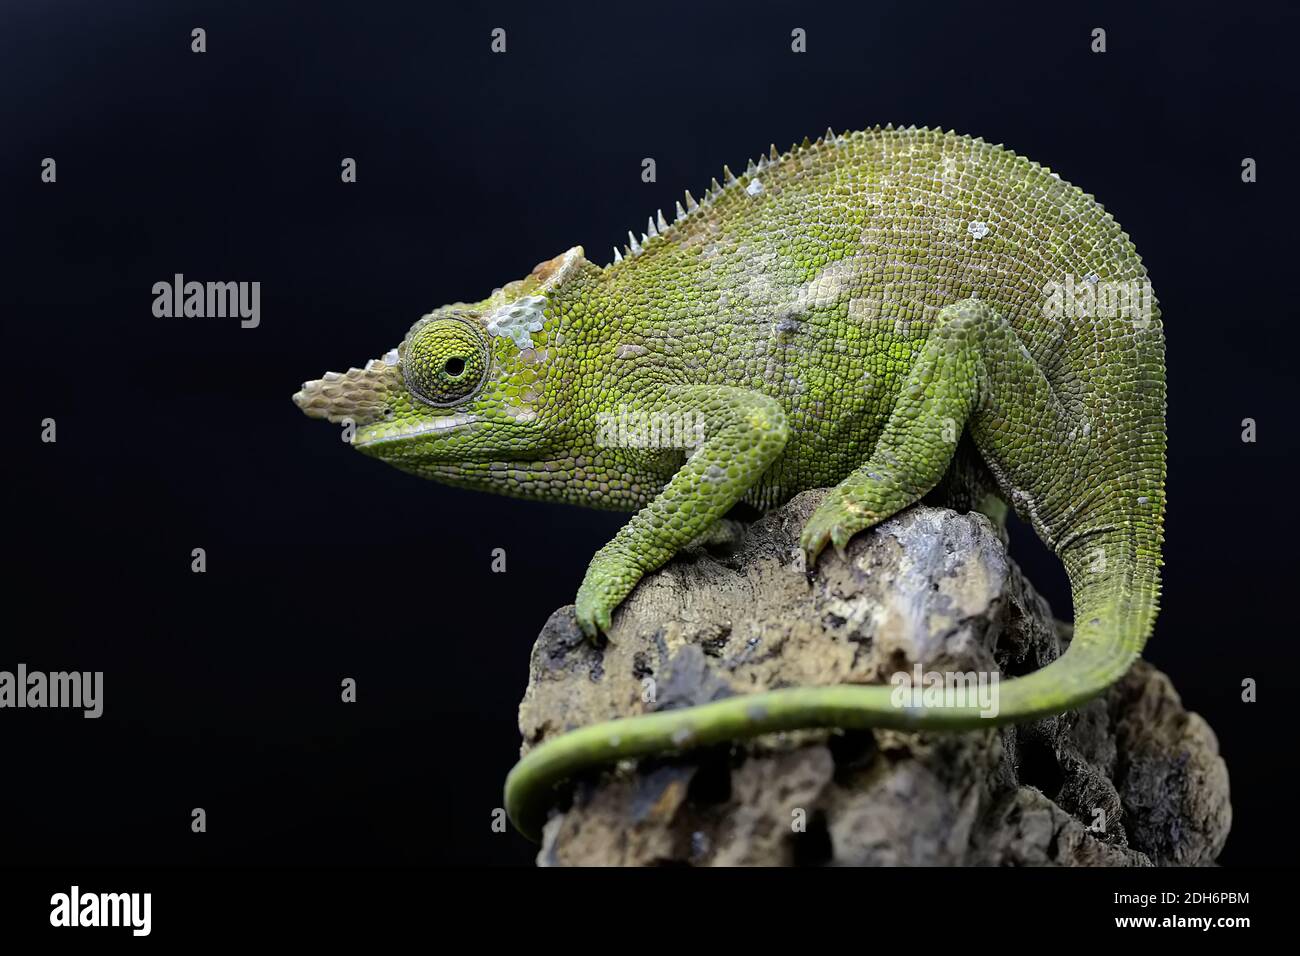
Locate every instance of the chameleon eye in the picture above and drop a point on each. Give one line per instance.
(444, 361)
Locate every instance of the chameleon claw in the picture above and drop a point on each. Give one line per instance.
(593, 623)
(594, 612)
(840, 537)
(810, 554)
(835, 522)
(811, 542)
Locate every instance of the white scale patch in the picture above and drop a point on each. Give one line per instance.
(515, 320)
(836, 281)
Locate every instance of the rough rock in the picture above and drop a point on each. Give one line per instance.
(1131, 779)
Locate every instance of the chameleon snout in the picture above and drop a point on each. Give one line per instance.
(359, 395)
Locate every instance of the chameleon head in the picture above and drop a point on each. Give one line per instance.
(467, 383)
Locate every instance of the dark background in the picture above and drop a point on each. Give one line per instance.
(222, 689)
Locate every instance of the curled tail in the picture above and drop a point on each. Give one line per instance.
(1114, 613)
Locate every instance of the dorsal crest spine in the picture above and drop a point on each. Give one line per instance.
(659, 229)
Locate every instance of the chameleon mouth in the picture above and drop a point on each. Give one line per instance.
(383, 433)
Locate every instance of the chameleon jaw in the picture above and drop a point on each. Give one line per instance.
(382, 433)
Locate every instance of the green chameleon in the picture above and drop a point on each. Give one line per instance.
(886, 311)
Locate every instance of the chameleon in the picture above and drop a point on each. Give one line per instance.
(887, 313)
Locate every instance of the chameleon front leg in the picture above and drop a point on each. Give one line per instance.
(744, 432)
(920, 437)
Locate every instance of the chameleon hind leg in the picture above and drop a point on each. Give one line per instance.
(744, 432)
(917, 445)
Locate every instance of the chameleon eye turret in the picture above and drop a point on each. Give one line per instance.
(444, 361)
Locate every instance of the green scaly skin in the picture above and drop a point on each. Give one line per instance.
(840, 314)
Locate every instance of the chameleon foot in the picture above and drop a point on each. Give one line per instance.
(836, 520)
(610, 578)
(593, 613)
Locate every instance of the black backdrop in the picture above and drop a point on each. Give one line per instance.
(222, 689)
